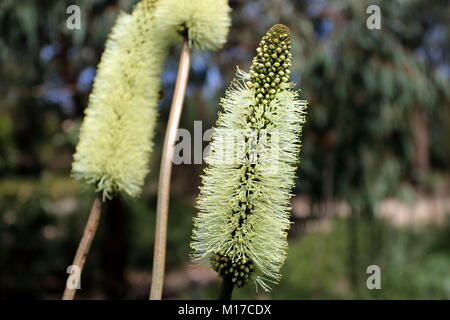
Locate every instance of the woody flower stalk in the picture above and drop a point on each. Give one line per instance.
(244, 202)
(200, 24)
(116, 135)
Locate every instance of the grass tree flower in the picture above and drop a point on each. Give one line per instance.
(204, 23)
(244, 203)
(117, 132)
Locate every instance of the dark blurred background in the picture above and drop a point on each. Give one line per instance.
(373, 187)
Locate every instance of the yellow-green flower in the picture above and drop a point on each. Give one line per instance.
(117, 132)
(244, 201)
(204, 23)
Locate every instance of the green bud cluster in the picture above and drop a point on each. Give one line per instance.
(271, 65)
(238, 271)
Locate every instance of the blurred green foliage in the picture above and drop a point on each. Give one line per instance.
(413, 264)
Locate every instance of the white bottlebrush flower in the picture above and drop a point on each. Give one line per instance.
(117, 132)
(244, 204)
(205, 23)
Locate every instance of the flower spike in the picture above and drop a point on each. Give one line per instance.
(244, 201)
(117, 133)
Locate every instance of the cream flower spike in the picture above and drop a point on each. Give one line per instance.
(244, 202)
(205, 23)
(117, 132)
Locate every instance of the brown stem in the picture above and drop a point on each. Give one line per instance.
(162, 206)
(226, 289)
(85, 243)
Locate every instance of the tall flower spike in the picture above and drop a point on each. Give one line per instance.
(116, 135)
(244, 204)
(204, 23)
